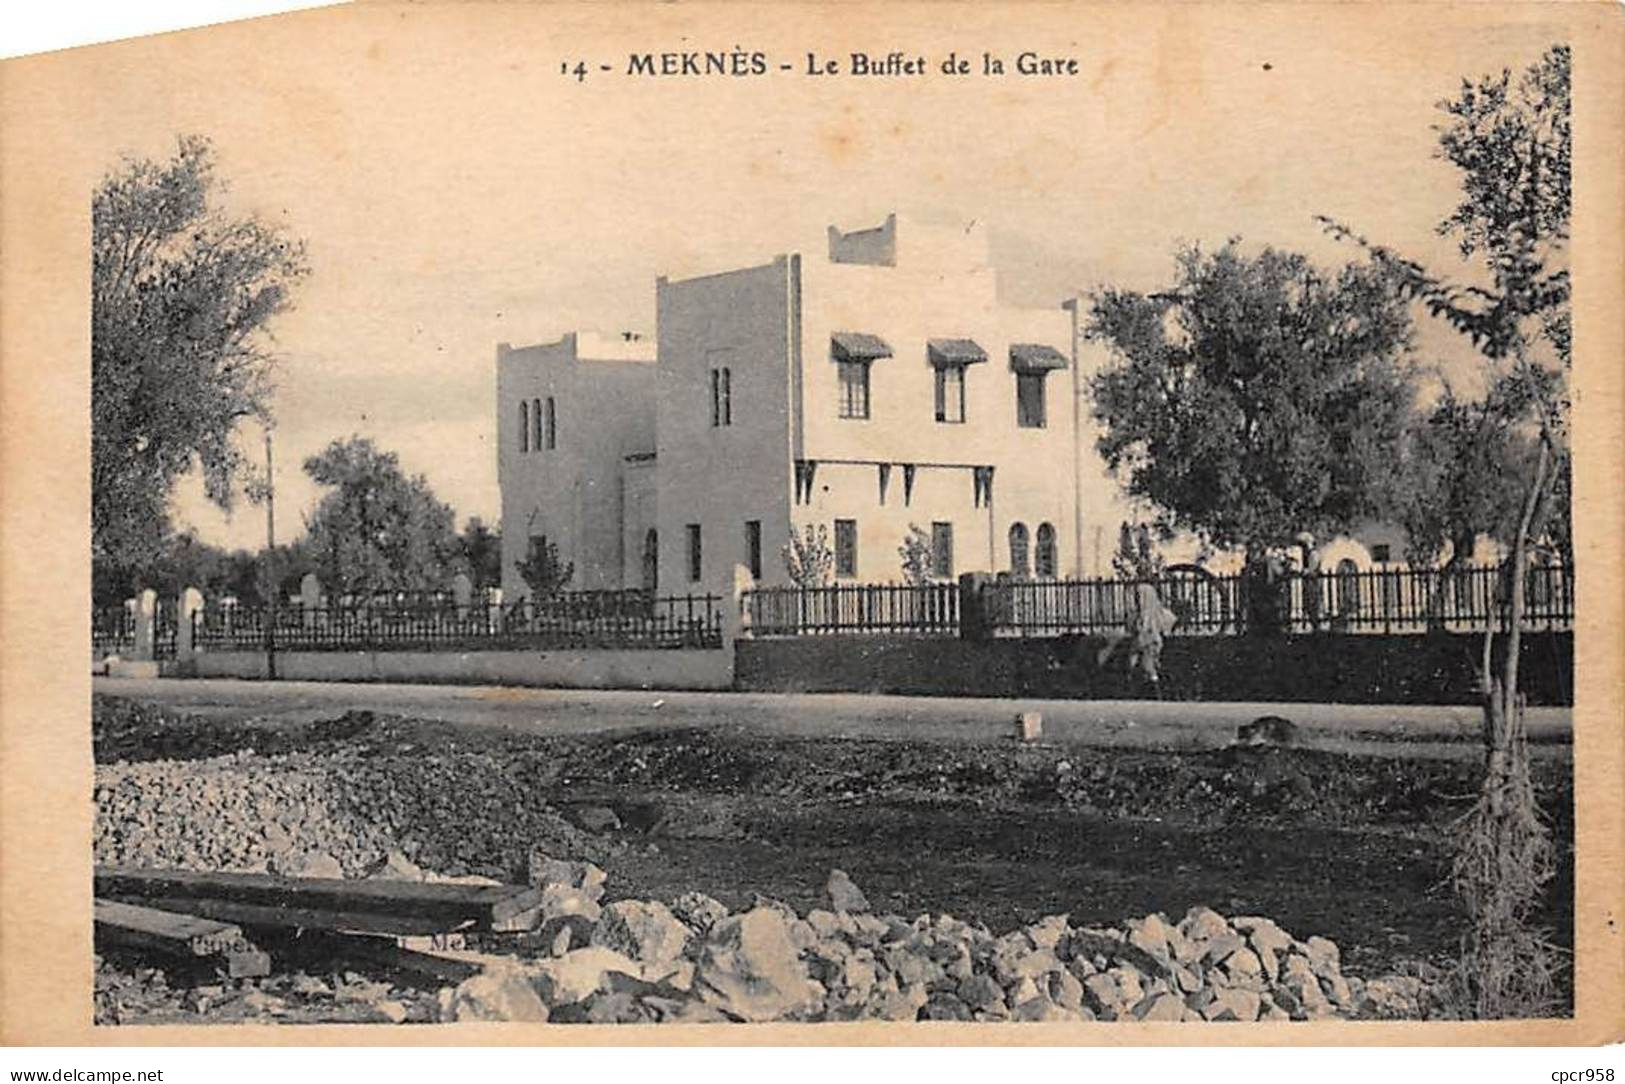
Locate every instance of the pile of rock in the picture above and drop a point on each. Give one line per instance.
(636, 961)
(326, 814)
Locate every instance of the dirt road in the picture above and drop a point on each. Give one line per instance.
(1408, 731)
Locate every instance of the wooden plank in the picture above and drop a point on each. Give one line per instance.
(304, 918)
(315, 952)
(184, 934)
(486, 905)
(185, 937)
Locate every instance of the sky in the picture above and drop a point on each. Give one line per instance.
(456, 190)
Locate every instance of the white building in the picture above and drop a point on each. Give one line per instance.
(871, 384)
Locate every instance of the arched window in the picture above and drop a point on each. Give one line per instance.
(1019, 567)
(1045, 562)
(552, 426)
(536, 424)
(524, 426)
(651, 560)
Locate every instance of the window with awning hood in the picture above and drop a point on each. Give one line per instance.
(1032, 362)
(852, 352)
(954, 352)
(950, 358)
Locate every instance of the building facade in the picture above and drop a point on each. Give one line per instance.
(576, 422)
(873, 385)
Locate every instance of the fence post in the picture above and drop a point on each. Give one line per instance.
(186, 608)
(462, 593)
(741, 621)
(494, 609)
(310, 598)
(973, 617)
(735, 618)
(146, 619)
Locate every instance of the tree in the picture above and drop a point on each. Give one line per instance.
(542, 570)
(182, 296)
(1257, 398)
(1458, 455)
(481, 552)
(1137, 557)
(378, 530)
(808, 560)
(1512, 142)
(915, 553)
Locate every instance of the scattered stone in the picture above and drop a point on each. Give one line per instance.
(752, 971)
(580, 973)
(1323, 955)
(843, 894)
(1203, 924)
(393, 1011)
(593, 818)
(945, 1006)
(1102, 996)
(1150, 934)
(1160, 1007)
(1243, 967)
(395, 866)
(1233, 1004)
(699, 912)
(981, 992)
(1064, 989)
(1048, 933)
(646, 932)
(495, 994)
(560, 900)
(561, 933)
(1041, 1010)
(1392, 997)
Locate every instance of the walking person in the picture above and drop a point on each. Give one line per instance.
(1148, 624)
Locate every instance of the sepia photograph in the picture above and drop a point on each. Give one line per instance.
(1054, 515)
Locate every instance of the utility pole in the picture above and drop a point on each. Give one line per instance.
(272, 580)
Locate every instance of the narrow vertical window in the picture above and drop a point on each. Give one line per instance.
(753, 547)
(552, 425)
(695, 562)
(535, 425)
(950, 393)
(524, 426)
(942, 550)
(722, 410)
(651, 559)
(1045, 561)
(1030, 400)
(854, 389)
(1018, 551)
(846, 547)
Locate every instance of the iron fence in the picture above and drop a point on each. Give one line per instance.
(577, 620)
(1203, 605)
(1378, 601)
(928, 609)
(1468, 599)
(112, 630)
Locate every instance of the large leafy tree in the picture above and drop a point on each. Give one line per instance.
(1258, 397)
(182, 295)
(378, 529)
(1510, 137)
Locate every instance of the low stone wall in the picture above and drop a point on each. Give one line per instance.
(1437, 668)
(595, 669)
